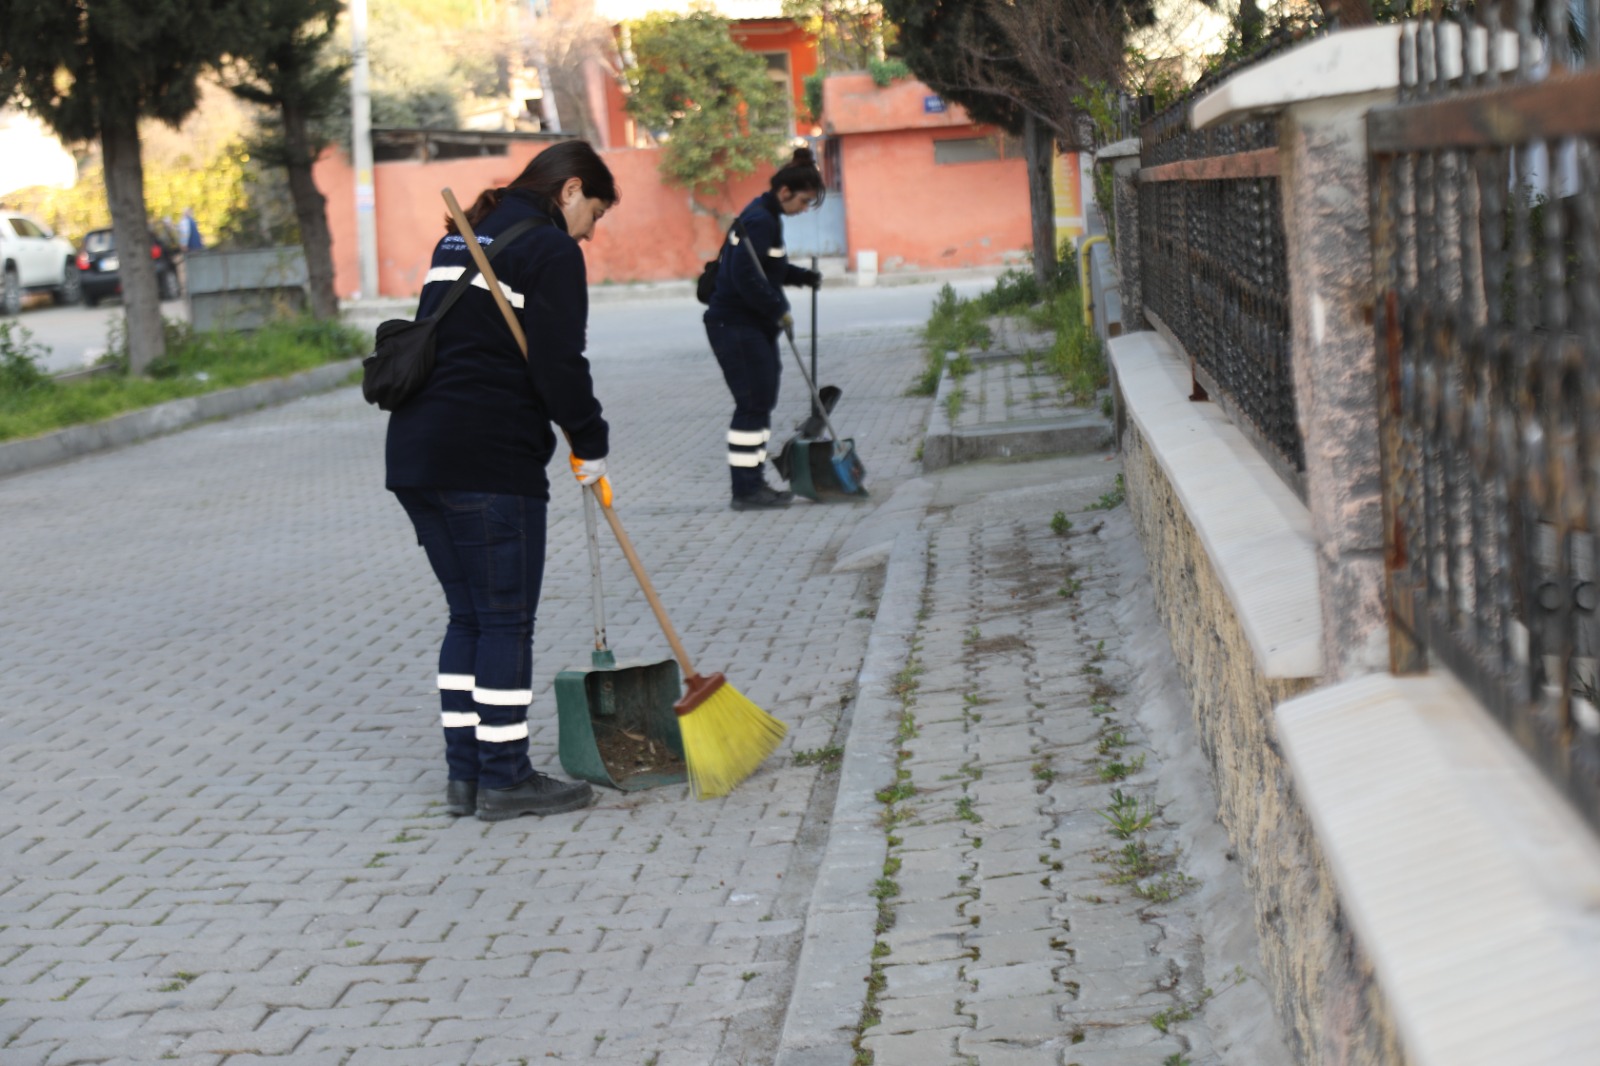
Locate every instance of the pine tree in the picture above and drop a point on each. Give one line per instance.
(281, 59)
(91, 69)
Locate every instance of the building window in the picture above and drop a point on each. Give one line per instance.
(778, 73)
(966, 150)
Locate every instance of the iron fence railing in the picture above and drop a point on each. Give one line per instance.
(1485, 179)
(1212, 270)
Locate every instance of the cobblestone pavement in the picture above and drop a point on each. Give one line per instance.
(1040, 904)
(224, 840)
(223, 836)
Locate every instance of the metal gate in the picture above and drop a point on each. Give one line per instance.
(1487, 258)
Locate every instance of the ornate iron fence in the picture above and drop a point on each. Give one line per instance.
(1212, 266)
(1487, 256)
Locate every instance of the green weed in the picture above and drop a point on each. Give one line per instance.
(828, 757)
(1060, 524)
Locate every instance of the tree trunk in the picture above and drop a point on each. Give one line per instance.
(1038, 149)
(124, 176)
(310, 210)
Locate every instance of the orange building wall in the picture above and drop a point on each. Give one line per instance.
(916, 215)
(654, 234)
(783, 35)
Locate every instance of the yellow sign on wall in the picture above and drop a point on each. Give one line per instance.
(1068, 179)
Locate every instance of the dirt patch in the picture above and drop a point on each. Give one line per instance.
(627, 754)
(990, 645)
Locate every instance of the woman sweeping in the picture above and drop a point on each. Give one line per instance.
(466, 458)
(745, 315)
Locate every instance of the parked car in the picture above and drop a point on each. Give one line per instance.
(33, 259)
(100, 267)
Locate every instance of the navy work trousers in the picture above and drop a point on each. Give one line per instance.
(487, 550)
(750, 366)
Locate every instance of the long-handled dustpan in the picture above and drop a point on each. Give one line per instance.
(618, 726)
(823, 469)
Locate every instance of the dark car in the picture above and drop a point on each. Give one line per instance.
(98, 265)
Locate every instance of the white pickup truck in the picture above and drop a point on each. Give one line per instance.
(32, 259)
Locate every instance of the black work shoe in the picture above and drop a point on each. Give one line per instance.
(460, 798)
(539, 794)
(764, 497)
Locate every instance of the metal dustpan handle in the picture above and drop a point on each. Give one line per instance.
(839, 450)
(602, 651)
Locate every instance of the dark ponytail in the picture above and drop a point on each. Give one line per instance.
(545, 174)
(800, 174)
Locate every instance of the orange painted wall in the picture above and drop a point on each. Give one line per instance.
(655, 234)
(916, 215)
(854, 103)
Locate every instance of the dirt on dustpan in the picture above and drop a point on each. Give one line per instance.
(626, 754)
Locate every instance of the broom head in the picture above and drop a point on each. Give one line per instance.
(725, 736)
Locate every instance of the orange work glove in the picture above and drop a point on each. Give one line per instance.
(592, 473)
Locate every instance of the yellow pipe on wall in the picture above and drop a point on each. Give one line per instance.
(1083, 274)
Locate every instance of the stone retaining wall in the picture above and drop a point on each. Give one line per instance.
(1322, 984)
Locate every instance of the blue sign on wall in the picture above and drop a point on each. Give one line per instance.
(932, 105)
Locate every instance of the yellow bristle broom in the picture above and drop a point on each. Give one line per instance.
(725, 735)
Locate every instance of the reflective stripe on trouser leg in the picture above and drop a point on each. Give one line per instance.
(749, 361)
(460, 722)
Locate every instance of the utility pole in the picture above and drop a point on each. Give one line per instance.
(361, 146)
(550, 118)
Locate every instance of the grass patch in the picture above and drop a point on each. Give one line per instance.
(32, 402)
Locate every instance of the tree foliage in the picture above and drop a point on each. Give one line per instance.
(91, 69)
(1005, 59)
(707, 100)
(850, 34)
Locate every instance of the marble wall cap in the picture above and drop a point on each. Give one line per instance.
(1350, 63)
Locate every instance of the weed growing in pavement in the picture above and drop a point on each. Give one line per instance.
(1125, 815)
(1107, 407)
(828, 758)
(1177, 1058)
(1070, 588)
(1111, 741)
(1164, 1020)
(964, 810)
(1112, 499)
(1060, 524)
(952, 404)
(1166, 888)
(1043, 772)
(973, 636)
(1116, 769)
(907, 729)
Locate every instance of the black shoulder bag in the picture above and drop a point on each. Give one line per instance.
(708, 276)
(402, 353)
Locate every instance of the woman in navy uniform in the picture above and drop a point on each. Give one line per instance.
(466, 458)
(747, 312)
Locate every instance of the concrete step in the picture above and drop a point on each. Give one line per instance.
(1010, 406)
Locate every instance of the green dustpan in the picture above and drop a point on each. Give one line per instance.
(618, 726)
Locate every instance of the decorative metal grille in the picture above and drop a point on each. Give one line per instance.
(1487, 255)
(1212, 267)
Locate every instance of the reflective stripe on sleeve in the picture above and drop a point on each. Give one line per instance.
(452, 273)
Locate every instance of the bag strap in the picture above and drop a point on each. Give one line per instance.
(744, 239)
(461, 283)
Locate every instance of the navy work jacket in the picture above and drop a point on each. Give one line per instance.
(482, 422)
(743, 293)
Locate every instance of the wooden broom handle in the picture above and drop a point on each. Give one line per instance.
(465, 229)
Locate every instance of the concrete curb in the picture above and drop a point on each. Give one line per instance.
(20, 455)
(841, 920)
